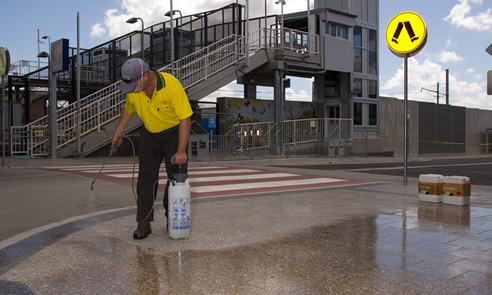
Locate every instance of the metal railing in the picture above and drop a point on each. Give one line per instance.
(104, 106)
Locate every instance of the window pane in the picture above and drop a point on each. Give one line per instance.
(344, 33)
(373, 84)
(327, 29)
(357, 36)
(332, 84)
(333, 30)
(373, 63)
(372, 40)
(373, 114)
(334, 112)
(357, 113)
(357, 60)
(358, 87)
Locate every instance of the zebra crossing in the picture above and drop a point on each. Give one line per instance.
(209, 180)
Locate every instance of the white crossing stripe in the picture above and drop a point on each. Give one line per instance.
(69, 168)
(130, 169)
(164, 174)
(241, 177)
(255, 185)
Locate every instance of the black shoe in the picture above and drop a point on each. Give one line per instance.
(143, 230)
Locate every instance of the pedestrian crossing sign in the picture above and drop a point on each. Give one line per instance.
(406, 33)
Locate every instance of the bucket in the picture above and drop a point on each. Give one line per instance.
(179, 220)
(430, 188)
(456, 190)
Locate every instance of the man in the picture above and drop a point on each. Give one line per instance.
(161, 102)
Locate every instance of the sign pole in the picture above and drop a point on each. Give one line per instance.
(406, 35)
(3, 119)
(4, 70)
(405, 90)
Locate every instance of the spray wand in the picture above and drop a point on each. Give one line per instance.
(111, 152)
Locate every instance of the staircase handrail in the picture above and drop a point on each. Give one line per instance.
(191, 70)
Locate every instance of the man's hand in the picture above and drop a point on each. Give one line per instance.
(179, 158)
(117, 140)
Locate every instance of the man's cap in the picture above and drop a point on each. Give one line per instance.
(132, 70)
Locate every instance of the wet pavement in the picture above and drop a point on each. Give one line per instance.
(365, 238)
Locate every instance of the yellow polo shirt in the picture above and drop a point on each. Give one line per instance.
(169, 104)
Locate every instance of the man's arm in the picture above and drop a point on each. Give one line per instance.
(184, 134)
(125, 117)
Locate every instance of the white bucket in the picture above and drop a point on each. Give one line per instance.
(430, 188)
(179, 219)
(456, 190)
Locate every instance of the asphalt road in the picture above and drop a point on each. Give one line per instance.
(478, 169)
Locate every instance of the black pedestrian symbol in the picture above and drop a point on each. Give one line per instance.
(410, 32)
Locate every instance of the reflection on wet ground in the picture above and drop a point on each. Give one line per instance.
(364, 240)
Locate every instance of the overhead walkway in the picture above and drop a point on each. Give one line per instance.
(200, 73)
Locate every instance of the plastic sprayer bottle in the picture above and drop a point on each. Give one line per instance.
(179, 222)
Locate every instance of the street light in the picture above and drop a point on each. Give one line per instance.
(180, 44)
(49, 42)
(52, 109)
(282, 3)
(132, 21)
(39, 42)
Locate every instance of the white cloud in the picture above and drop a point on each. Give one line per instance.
(97, 31)
(426, 74)
(152, 12)
(470, 71)
(448, 56)
(302, 95)
(460, 16)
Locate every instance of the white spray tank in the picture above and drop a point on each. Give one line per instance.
(179, 222)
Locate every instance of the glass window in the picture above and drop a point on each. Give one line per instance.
(334, 112)
(373, 63)
(372, 40)
(373, 92)
(327, 29)
(373, 114)
(358, 87)
(357, 113)
(333, 30)
(357, 60)
(342, 32)
(332, 84)
(357, 36)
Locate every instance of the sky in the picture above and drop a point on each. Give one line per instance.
(457, 39)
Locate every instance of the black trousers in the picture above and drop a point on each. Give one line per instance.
(153, 149)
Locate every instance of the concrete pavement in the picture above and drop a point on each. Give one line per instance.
(373, 238)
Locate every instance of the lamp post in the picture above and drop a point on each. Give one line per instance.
(49, 43)
(282, 3)
(168, 14)
(180, 44)
(53, 132)
(132, 21)
(39, 62)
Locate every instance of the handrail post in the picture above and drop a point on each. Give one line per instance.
(29, 141)
(98, 115)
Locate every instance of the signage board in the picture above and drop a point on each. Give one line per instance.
(59, 60)
(406, 33)
(4, 61)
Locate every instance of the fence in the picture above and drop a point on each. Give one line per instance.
(308, 137)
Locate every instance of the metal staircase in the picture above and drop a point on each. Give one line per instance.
(200, 73)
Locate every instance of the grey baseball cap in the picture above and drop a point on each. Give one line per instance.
(132, 70)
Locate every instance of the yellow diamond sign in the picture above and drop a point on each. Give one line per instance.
(406, 34)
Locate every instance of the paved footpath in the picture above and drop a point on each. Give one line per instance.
(353, 233)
